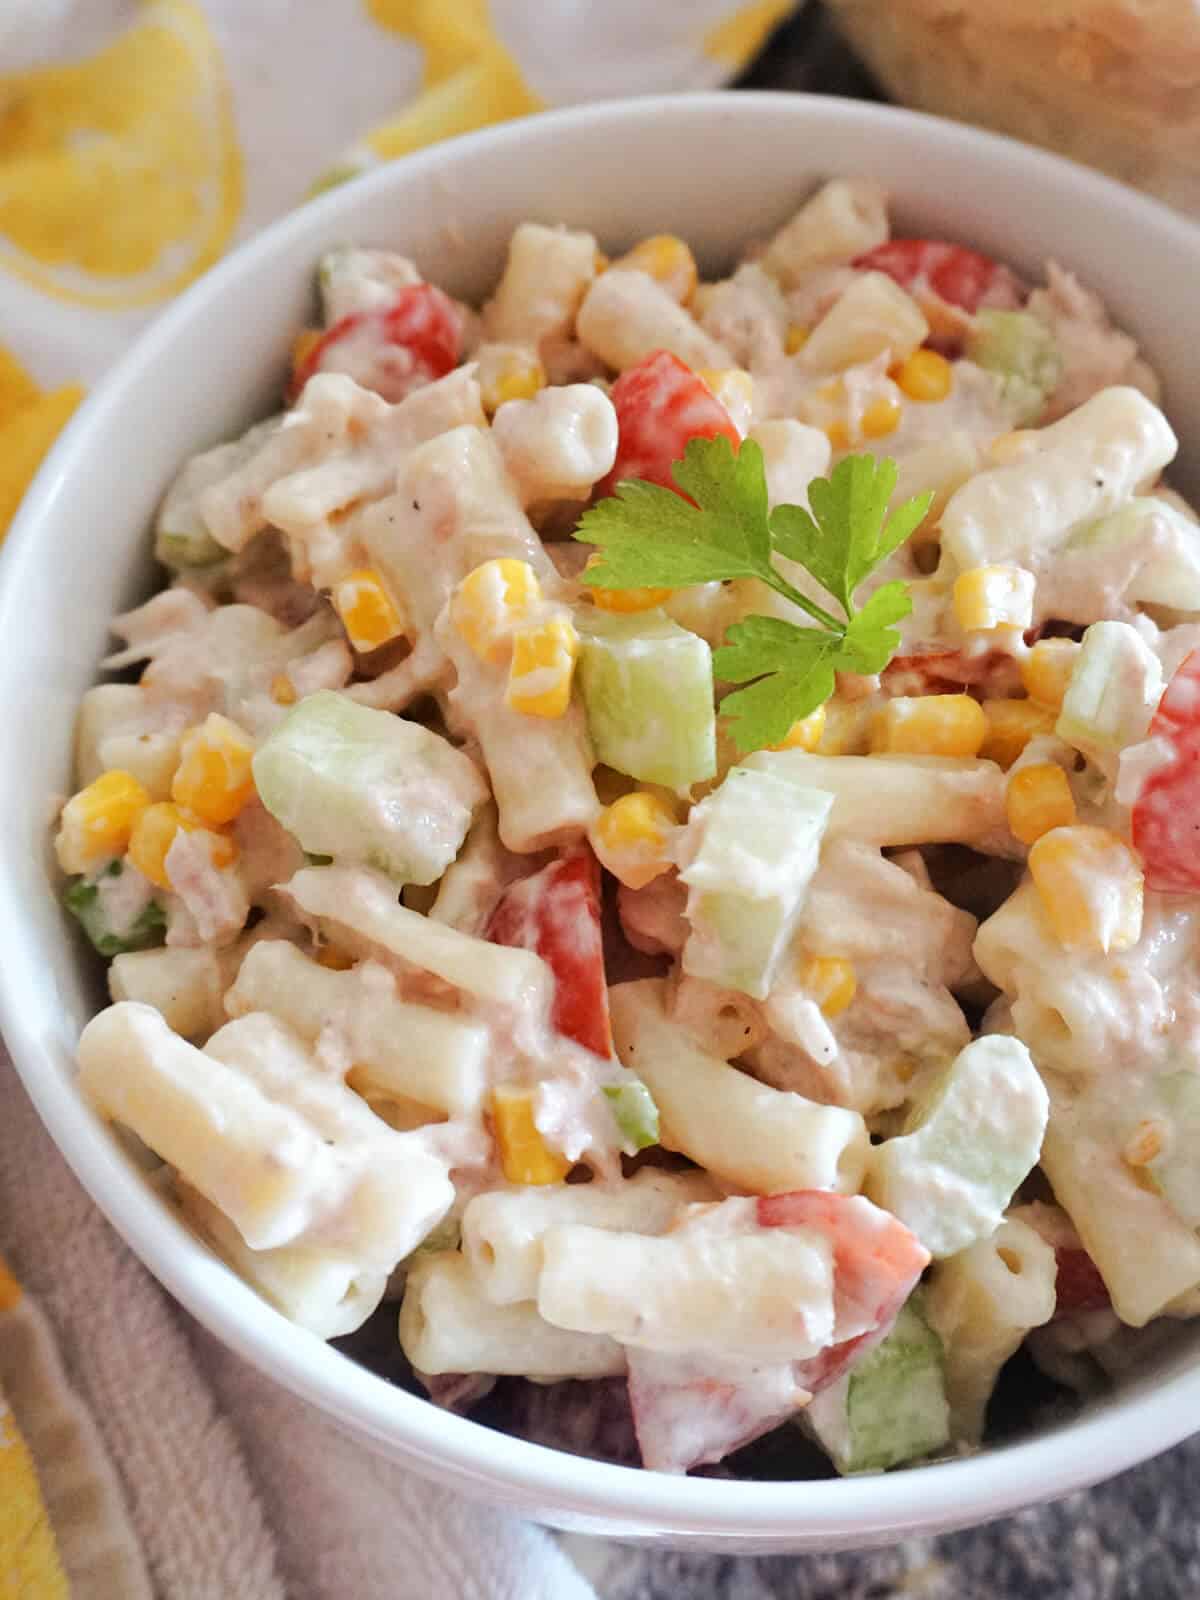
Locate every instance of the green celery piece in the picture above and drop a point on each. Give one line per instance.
(634, 1113)
(181, 539)
(1114, 687)
(648, 693)
(444, 1235)
(967, 1148)
(750, 850)
(1021, 351)
(1176, 1169)
(1167, 577)
(82, 900)
(891, 1407)
(364, 786)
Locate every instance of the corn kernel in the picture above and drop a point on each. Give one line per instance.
(1090, 887)
(830, 981)
(542, 668)
(847, 730)
(668, 260)
(838, 435)
(491, 602)
(1037, 799)
(993, 597)
(880, 418)
(734, 388)
(283, 690)
(333, 959)
(525, 1157)
(213, 779)
(508, 372)
(369, 614)
(631, 835)
(1047, 670)
(930, 725)
(805, 734)
(1010, 726)
(97, 822)
(625, 599)
(154, 834)
(924, 376)
(796, 337)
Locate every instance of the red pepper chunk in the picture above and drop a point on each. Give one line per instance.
(876, 1264)
(556, 913)
(1079, 1286)
(661, 404)
(961, 277)
(421, 321)
(1165, 821)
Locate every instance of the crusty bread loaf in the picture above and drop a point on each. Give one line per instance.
(1115, 83)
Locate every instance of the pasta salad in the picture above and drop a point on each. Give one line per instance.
(646, 848)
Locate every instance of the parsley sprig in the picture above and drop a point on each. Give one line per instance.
(650, 537)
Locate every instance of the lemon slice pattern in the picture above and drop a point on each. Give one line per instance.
(120, 175)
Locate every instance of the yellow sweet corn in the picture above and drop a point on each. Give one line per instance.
(993, 597)
(1010, 726)
(880, 418)
(830, 981)
(507, 372)
(283, 690)
(542, 667)
(491, 602)
(930, 725)
(631, 835)
(525, 1157)
(838, 435)
(796, 337)
(924, 375)
(213, 779)
(667, 260)
(303, 345)
(96, 823)
(626, 599)
(1038, 798)
(734, 388)
(847, 729)
(1047, 670)
(804, 734)
(154, 834)
(1090, 887)
(369, 614)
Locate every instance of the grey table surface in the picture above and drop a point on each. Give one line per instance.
(1136, 1537)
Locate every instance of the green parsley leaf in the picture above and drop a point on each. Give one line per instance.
(719, 528)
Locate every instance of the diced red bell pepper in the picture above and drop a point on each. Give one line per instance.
(959, 276)
(661, 404)
(556, 913)
(421, 320)
(1165, 821)
(1079, 1286)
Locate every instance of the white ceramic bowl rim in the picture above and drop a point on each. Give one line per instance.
(452, 1449)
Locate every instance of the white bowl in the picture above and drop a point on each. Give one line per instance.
(718, 169)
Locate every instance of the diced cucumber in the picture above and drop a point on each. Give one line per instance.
(85, 902)
(634, 1113)
(891, 1407)
(1176, 1170)
(1022, 353)
(1115, 685)
(365, 786)
(648, 690)
(180, 536)
(967, 1148)
(1169, 572)
(749, 851)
